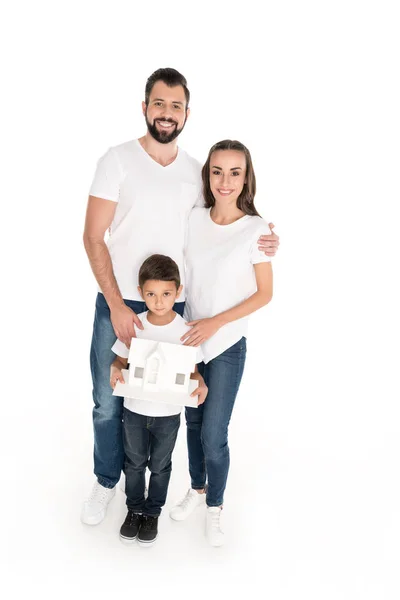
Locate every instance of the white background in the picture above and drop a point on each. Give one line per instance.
(312, 507)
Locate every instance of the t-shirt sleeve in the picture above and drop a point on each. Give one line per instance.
(108, 177)
(256, 255)
(120, 349)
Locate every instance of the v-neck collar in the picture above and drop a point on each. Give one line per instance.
(154, 161)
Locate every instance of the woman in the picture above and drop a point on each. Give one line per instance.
(228, 278)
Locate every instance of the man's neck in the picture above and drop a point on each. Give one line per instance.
(164, 154)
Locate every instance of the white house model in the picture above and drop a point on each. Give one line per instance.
(159, 371)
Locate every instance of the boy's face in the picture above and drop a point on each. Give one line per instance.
(159, 296)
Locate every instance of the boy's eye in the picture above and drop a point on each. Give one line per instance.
(150, 294)
(167, 293)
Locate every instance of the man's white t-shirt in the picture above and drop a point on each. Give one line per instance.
(171, 333)
(220, 272)
(154, 203)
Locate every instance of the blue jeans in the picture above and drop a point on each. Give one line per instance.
(107, 411)
(148, 442)
(207, 425)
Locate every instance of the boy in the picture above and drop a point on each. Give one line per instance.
(150, 428)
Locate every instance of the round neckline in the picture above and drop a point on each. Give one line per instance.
(166, 325)
(244, 218)
(154, 161)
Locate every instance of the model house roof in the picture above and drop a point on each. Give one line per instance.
(177, 357)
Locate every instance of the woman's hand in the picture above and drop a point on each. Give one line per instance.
(201, 331)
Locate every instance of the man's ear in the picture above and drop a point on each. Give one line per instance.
(179, 291)
(144, 107)
(140, 291)
(187, 112)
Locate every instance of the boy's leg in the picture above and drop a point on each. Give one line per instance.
(194, 421)
(137, 448)
(107, 411)
(163, 433)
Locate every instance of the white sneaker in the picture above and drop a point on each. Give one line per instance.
(95, 507)
(185, 507)
(122, 485)
(213, 528)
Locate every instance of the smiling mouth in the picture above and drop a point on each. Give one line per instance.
(166, 125)
(225, 192)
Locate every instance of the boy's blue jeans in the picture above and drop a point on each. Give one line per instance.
(107, 411)
(207, 425)
(148, 442)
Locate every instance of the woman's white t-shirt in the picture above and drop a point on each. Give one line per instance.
(171, 333)
(220, 272)
(154, 203)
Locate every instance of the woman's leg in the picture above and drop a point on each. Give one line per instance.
(194, 420)
(224, 374)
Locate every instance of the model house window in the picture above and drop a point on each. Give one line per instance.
(180, 379)
(153, 370)
(139, 372)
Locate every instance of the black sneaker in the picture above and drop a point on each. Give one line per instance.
(130, 527)
(148, 530)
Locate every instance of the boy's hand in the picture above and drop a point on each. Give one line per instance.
(123, 319)
(116, 375)
(269, 243)
(201, 391)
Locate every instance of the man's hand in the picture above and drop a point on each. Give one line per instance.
(115, 375)
(201, 391)
(201, 331)
(269, 243)
(122, 319)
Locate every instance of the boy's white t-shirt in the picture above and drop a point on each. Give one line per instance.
(160, 333)
(154, 203)
(220, 272)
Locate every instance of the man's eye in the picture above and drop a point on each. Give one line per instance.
(177, 107)
(158, 103)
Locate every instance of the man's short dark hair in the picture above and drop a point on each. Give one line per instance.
(159, 268)
(171, 77)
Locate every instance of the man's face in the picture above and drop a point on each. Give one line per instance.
(159, 296)
(166, 112)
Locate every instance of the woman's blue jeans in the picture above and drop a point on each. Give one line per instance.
(107, 411)
(207, 425)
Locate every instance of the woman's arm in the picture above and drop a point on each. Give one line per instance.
(205, 328)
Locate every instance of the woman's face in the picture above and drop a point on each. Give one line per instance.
(227, 175)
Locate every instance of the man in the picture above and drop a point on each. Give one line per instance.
(143, 192)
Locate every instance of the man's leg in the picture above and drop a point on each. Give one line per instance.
(107, 411)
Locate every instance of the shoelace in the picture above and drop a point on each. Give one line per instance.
(99, 494)
(132, 517)
(215, 520)
(147, 522)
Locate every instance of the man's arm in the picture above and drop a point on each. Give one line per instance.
(269, 243)
(99, 216)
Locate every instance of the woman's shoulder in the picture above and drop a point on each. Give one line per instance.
(257, 224)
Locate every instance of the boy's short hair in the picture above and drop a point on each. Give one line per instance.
(159, 268)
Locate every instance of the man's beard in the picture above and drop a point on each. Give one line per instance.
(163, 137)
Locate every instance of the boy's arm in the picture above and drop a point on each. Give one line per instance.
(116, 370)
(202, 390)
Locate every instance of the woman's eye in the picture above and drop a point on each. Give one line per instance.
(236, 173)
(216, 172)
